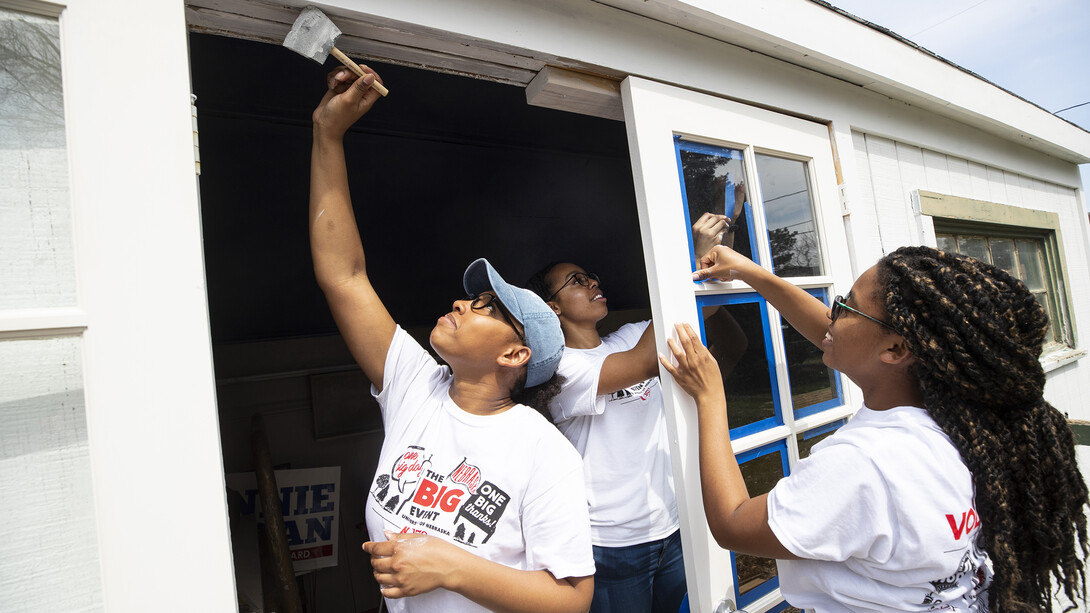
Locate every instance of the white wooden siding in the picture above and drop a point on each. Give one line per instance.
(888, 172)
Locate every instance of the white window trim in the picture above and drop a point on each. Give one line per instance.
(34, 323)
(654, 113)
(1063, 357)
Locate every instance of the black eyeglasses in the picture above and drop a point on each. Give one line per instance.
(839, 307)
(485, 301)
(580, 278)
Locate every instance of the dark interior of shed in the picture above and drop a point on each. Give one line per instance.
(446, 169)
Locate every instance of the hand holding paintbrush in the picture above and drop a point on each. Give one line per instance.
(314, 36)
(347, 99)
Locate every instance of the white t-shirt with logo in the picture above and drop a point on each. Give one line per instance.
(622, 438)
(507, 487)
(883, 512)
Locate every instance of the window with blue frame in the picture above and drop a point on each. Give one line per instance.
(807, 440)
(814, 386)
(736, 330)
(713, 181)
(772, 375)
(761, 469)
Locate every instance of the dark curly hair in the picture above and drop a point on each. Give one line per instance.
(539, 396)
(976, 333)
(536, 282)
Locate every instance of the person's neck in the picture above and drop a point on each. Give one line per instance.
(479, 395)
(580, 335)
(892, 392)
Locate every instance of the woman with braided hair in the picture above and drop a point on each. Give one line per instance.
(953, 488)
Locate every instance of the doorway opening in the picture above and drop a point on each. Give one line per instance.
(445, 170)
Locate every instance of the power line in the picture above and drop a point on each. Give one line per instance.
(1072, 107)
(912, 36)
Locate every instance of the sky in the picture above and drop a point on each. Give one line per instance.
(1037, 49)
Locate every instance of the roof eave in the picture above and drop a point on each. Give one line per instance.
(818, 36)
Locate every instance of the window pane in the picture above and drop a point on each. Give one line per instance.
(785, 194)
(760, 475)
(735, 335)
(715, 183)
(1029, 257)
(1024, 258)
(1054, 329)
(947, 242)
(974, 246)
(812, 382)
(1003, 254)
(36, 256)
(808, 439)
(51, 551)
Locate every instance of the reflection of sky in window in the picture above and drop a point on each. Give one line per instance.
(785, 193)
(31, 105)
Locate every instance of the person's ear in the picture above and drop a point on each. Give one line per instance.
(896, 353)
(515, 356)
(554, 306)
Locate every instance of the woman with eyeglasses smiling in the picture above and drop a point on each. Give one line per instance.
(477, 503)
(610, 408)
(954, 487)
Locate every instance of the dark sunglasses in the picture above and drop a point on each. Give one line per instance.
(580, 278)
(485, 301)
(839, 307)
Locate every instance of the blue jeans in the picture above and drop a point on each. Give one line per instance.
(644, 578)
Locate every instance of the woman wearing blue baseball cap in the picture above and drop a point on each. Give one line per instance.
(478, 501)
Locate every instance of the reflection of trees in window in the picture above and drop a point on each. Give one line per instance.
(794, 253)
(705, 182)
(31, 105)
(707, 178)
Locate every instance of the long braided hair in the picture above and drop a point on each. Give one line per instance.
(977, 334)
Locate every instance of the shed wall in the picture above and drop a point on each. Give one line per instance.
(888, 172)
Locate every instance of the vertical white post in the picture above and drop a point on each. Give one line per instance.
(152, 425)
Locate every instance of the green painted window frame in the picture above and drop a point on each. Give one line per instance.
(958, 215)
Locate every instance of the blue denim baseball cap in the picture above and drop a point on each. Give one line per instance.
(540, 325)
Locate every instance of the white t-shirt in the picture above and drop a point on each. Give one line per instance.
(883, 513)
(622, 438)
(506, 487)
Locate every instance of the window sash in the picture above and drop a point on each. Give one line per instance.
(1048, 295)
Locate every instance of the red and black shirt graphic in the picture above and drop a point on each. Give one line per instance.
(457, 503)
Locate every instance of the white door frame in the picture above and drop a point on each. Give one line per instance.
(153, 428)
(654, 114)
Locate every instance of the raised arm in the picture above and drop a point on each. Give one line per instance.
(806, 313)
(335, 244)
(627, 368)
(737, 522)
(411, 564)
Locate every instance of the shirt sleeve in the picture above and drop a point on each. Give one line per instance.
(834, 506)
(629, 334)
(582, 370)
(408, 368)
(555, 516)
(579, 393)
